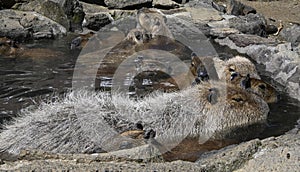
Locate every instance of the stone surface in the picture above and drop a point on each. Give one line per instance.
(271, 154)
(68, 13)
(165, 4)
(95, 21)
(237, 8)
(292, 34)
(21, 25)
(128, 4)
(249, 24)
(92, 8)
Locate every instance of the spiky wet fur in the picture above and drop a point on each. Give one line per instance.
(85, 121)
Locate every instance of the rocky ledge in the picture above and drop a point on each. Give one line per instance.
(272, 154)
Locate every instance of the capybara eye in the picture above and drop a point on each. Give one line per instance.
(238, 99)
(262, 86)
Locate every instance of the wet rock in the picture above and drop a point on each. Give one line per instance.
(95, 21)
(68, 13)
(120, 4)
(292, 34)
(7, 3)
(168, 4)
(237, 8)
(249, 24)
(20, 25)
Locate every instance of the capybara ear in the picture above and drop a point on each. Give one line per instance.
(193, 55)
(213, 95)
(246, 83)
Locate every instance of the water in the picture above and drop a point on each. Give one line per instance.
(27, 80)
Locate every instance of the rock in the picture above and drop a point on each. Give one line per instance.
(95, 21)
(120, 14)
(91, 8)
(222, 32)
(98, 2)
(169, 4)
(120, 4)
(7, 3)
(271, 154)
(243, 40)
(200, 14)
(237, 8)
(292, 34)
(276, 154)
(68, 13)
(229, 158)
(249, 24)
(20, 25)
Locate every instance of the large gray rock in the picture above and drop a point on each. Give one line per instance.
(21, 25)
(127, 4)
(95, 21)
(68, 13)
(271, 154)
(237, 8)
(249, 24)
(281, 61)
(292, 34)
(165, 4)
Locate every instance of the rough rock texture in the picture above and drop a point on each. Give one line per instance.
(272, 154)
(237, 8)
(165, 4)
(20, 25)
(292, 34)
(95, 21)
(127, 4)
(249, 24)
(281, 61)
(68, 13)
(91, 8)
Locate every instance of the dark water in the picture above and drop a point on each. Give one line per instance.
(26, 80)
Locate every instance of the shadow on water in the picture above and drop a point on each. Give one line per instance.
(46, 68)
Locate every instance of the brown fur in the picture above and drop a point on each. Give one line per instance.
(258, 87)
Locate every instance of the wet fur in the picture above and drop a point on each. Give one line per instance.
(80, 122)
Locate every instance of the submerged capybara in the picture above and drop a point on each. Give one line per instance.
(85, 122)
